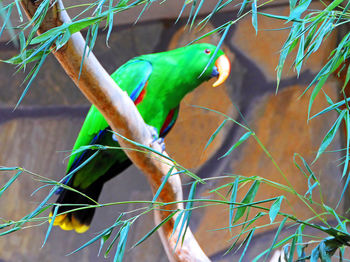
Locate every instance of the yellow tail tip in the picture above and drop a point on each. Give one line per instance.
(58, 219)
(79, 227)
(69, 223)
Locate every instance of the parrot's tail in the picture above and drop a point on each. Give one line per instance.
(77, 220)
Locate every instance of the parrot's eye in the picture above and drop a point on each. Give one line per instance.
(207, 51)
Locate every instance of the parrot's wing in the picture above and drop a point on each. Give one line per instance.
(131, 77)
(93, 126)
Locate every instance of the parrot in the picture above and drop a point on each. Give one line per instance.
(156, 83)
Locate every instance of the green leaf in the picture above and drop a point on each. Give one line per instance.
(248, 198)
(9, 183)
(248, 239)
(103, 240)
(333, 4)
(212, 137)
(50, 225)
(238, 143)
(292, 3)
(299, 233)
(315, 91)
(275, 208)
(329, 136)
(232, 200)
(119, 254)
(255, 16)
(276, 236)
(244, 4)
(155, 228)
(292, 248)
(298, 10)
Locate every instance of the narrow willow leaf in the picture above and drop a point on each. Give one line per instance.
(35, 72)
(155, 228)
(111, 245)
(340, 223)
(315, 91)
(248, 198)
(280, 17)
(217, 48)
(248, 239)
(300, 55)
(19, 59)
(6, 17)
(279, 244)
(299, 233)
(292, 3)
(50, 225)
(324, 256)
(110, 18)
(117, 222)
(255, 16)
(10, 231)
(232, 200)
(275, 208)
(298, 10)
(177, 221)
(9, 183)
(193, 7)
(119, 254)
(332, 107)
(245, 224)
(19, 11)
(333, 5)
(238, 143)
(292, 249)
(315, 254)
(99, 236)
(329, 136)
(216, 133)
(62, 39)
(94, 33)
(244, 4)
(346, 164)
(165, 180)
(38, 18)
(275, 238)
(196, 13)
(186, 214)
(103, 240)
(347, 78)
(182, 10)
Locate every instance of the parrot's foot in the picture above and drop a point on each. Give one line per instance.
(156, 138)
(153, 131)
(160, 141)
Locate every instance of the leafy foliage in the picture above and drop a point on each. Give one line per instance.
(308, 30)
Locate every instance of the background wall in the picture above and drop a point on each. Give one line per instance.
(49, 118)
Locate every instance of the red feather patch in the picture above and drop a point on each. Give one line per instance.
(141, 95)
(167, 120)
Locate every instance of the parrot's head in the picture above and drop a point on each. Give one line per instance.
(206, 62)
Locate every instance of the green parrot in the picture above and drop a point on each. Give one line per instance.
(156, 83)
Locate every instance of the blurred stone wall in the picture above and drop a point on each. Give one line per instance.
(48, 120)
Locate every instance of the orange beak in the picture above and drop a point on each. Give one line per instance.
(224, 66)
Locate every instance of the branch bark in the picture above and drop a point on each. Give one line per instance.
(123, 117)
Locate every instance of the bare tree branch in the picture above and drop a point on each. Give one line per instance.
(123, 117)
